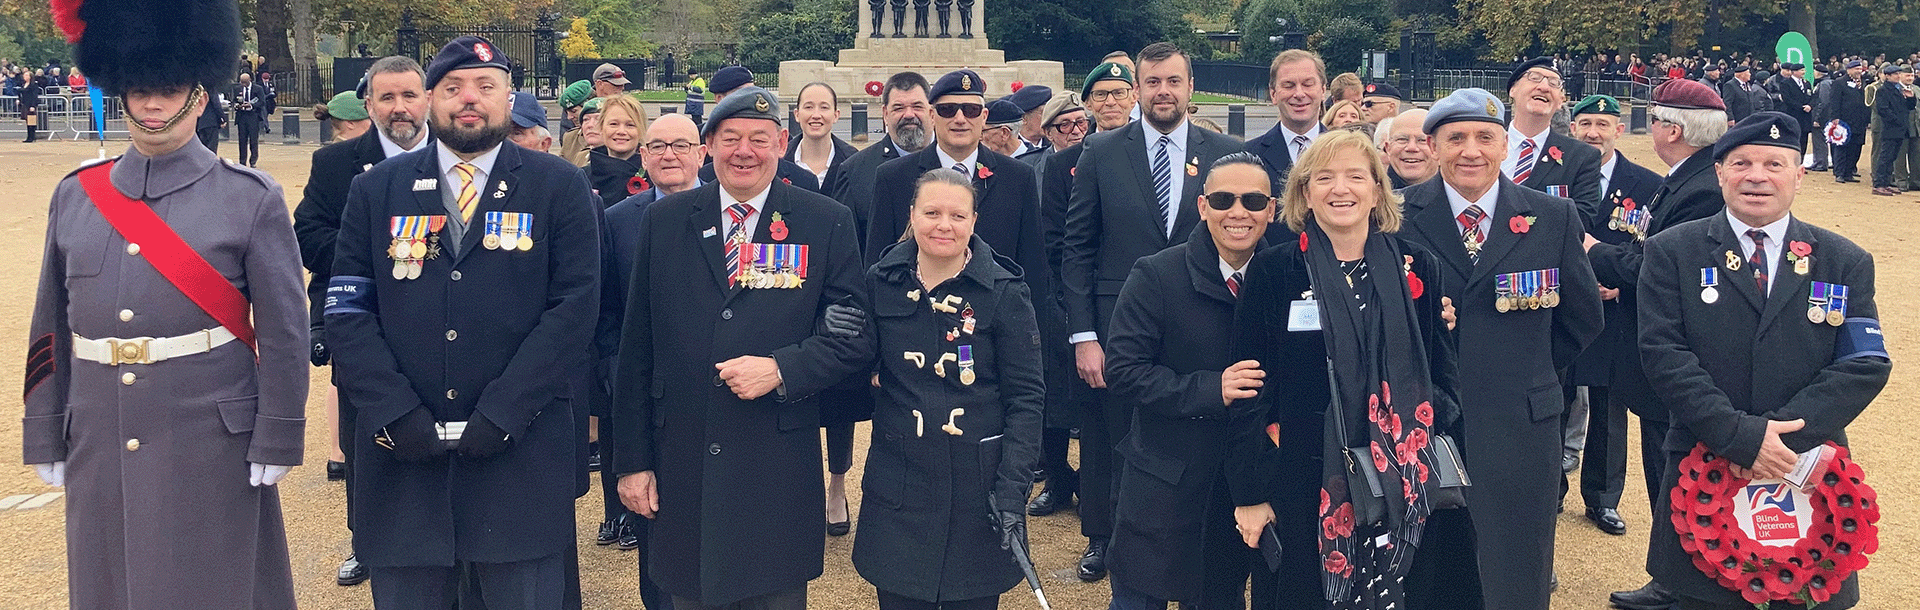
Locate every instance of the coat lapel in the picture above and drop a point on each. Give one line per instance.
(1788, 287)
(703, 222)
(1203, 265)
(499, 190)
(1199, 154)
(1501, 239)
(1142, 170)
(1434, 219)
(427, 167)
(1742, 279)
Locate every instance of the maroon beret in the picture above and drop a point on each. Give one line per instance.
(1687, 95)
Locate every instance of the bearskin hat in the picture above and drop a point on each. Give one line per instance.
(132, 44)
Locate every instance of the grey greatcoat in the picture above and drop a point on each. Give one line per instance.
(159, 511)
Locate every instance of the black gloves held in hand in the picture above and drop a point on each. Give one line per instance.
(1012, 526)
(845, 320)
(412, 437)
(319, 355)
(482, 438)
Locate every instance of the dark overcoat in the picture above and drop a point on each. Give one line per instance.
(1614, 348)
(1166, 348)
(494, 332)
(1065, 390)
(741, 499)
(1510, 396)
(925, 516)
(1576, 170)
(1726, 368)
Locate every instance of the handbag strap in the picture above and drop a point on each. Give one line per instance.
(169, 254)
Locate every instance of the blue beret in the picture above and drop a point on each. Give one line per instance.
(1768, 128)
(462, 53)
(1856, 64)
(958, 82)
(1742, 68)
(1597, 104)
(1891, 69)
(1537, 62)
(749, 102)
(527, 111)
(1031, 97)
(729, 78)
(1470, 104)
(1003, 111)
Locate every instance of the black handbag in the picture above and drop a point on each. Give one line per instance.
(1450, 473)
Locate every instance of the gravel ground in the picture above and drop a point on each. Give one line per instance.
(1590, 563)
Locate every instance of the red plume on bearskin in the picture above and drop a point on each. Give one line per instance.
(66, 15)
(134, 44)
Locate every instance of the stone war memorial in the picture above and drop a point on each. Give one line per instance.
(931, 37)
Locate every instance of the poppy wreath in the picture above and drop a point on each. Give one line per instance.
(1843, 533)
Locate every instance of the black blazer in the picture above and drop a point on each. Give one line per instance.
(1614, 348)
(1113, 218)
(1273, 148)
(1166, 347)
(316, 220)
(1510, 392)
(1726, 368)
(1892, 112)
(1064, 387)
(1007, 202)
(482, 331)
(851, 181)
(1577, 169)
(759, 533)
(1691, 194)
(841, 152)
(1296, 395)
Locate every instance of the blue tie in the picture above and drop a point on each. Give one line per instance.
(1163, 182)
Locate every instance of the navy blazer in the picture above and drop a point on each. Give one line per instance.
(1273, 148)
(317, 219)
(1613, 352)
(1577, 171)
(493, 332)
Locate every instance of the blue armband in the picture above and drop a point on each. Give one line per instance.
(1860, 337)
(349, 294)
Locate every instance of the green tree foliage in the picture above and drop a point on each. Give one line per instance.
(1258, 23)
(1079, 32)
(1343, 41)
(813, 29)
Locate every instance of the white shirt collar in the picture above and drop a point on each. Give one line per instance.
(1178, 135)
(948, 161)
(394, 150)
(1515, 139)
(1287, 136)
(1459, 202)
(484, 162)
(1227, 270)
(1606, 172)
(1776, 241)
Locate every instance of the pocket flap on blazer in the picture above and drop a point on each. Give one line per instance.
(1545, 401)
(238, 413)
(1163, 468)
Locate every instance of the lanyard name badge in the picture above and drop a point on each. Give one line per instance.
(1304, 314)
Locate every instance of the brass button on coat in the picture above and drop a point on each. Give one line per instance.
(133, 249)
(127, 379)
(133, 444)
(126, 315)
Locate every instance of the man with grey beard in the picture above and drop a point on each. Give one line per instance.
(396, 99)
(905, 109)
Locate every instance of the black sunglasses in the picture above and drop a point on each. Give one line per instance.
(1222, 200)
(946, 111)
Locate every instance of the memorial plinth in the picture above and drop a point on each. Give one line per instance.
(916, 37)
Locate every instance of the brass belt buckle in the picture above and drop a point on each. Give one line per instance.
(130, 351)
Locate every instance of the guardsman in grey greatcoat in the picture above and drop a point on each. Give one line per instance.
(166, 371)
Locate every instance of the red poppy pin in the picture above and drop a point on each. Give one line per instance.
(1627, 204)
(638, 183)
(1303, 242)
(1520, 224)
(1273, 433)
(1554, 152)
(980, 170)
(777, 228)
(1415, 286)
(1800, 248)
(787, 180)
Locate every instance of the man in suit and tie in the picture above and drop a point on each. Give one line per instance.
(730, 282)
(1528, 303)
(1793, 96)
(249, 107)
(1127, 192)
(1594, 422)
(465, 280)
(1108, 92)
(396, 98)
(1537, 157)
(906, 111)
(1298, 86)
(1007, 199)
(1725, 345)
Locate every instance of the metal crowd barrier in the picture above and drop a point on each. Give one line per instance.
(67, 116)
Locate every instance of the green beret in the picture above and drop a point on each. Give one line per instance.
(576, 94)
(1105, 71)
(1597, 104)
(592, 106)
(347, 106)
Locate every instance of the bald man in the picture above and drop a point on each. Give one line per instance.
(1407, 151)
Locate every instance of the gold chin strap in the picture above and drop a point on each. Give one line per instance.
(192, 98)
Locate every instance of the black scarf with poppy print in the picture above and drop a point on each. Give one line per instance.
(1381, 393)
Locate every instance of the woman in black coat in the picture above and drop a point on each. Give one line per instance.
(1372, 324)
(613, 168)
(956, 423)
(30, 106)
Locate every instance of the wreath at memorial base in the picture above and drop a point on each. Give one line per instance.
(1815, 536)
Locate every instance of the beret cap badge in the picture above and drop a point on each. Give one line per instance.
(1774, 132)
(760, 103)
(1493, 110)
(966, 83)
(480, 49)
(1115, 70)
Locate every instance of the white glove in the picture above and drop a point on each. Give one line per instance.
(54, 474)
(265, 474)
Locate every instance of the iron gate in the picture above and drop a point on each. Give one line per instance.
(532, 52)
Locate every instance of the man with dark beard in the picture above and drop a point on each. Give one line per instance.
(905, 108)
(396, 99)
(476, 447)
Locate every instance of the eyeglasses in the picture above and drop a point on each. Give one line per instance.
(946, 111)
(1118, 94)
(660, 147)
(1069, 126)
(1222, 200)
(1538, 77)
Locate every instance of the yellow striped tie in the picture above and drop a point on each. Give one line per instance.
(469, 192)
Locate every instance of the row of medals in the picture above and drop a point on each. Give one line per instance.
(505, 235)
(409, 252)
(1544, 295)
(763, 277)
(1632, 222)
(951, 304)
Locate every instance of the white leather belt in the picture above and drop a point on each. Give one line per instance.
(148, 350)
